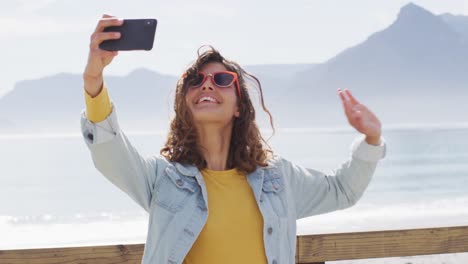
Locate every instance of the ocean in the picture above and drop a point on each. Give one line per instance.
(52, 196)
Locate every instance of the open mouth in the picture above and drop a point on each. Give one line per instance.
(207, 100)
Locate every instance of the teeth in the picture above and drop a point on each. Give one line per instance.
(207, 98)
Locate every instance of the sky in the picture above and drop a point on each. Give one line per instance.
(40, 38)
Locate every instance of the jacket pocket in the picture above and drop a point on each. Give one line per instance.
(273, 184)
(273, 191)
(173, 190)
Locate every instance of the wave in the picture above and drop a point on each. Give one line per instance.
(45, 219)
(72, 234)
(80, 229)
(408, 211)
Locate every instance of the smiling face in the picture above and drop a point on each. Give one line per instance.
(247, 149)
(209, 103)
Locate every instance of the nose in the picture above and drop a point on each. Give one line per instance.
(207, 85)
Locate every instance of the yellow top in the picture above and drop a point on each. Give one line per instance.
(234, 230)
(98, 107)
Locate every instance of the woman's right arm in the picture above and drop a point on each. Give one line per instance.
(111, 151)
(98, 105)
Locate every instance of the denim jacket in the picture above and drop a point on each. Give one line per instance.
(175, 194)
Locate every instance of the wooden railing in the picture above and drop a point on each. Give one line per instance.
(310, 248)
(381, 244)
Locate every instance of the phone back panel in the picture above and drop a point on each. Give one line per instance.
(136, 34)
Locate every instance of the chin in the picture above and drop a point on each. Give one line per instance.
(210, 118)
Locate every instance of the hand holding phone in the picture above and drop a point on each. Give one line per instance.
(110, 36)
(135, 34)
(98, 59)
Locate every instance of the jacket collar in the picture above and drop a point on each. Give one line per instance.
(186, 169)
(191, 170)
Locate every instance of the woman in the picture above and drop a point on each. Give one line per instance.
(217, 194)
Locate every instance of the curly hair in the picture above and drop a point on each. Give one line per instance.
(247, 148)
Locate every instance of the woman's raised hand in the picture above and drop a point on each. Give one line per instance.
(360, 117)
(98, 59)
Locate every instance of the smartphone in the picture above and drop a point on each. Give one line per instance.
(135, 34)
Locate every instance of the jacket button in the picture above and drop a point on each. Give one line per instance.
(180, 182)
(90, 136)
(275, 262)
(270, 230)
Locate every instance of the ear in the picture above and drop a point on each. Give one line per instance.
(237, 113)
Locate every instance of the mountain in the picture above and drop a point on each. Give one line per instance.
(143, 98)
(419, 51)
(458, 23)
(56, 101)
(414, 71)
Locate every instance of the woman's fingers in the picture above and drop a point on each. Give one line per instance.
(108, 22)
(352, 108)
(340, 93)
(347, 96)
(98, 59)
(98, 37)
(351, 97)
(345, 101)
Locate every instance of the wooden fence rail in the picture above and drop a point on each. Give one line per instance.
(310, 248)
(381, 244)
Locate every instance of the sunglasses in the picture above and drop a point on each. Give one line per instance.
(222, 79)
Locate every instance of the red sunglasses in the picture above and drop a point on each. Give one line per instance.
(222, 79)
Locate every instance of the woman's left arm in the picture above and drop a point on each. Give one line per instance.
(315, 192)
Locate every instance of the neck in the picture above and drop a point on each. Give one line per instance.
(214, 141)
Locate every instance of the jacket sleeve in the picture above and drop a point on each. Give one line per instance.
(114, 156)
(315, 192)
